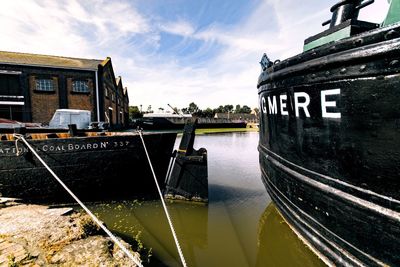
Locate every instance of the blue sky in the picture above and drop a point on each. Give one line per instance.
(172, 51)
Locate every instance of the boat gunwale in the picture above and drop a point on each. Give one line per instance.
(357, 42)
(303, 223)
(382, 202)
(375, 50)
(66, 135)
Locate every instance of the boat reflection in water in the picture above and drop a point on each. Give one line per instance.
(147, 222)
(227, 231)
(209, 236)
(278, 245)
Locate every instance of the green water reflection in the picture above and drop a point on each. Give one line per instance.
(278, 245)
(205, 240)
(239, 227)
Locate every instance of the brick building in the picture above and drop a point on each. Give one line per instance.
(33, 86)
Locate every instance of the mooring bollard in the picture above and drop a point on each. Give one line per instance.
(188, 178)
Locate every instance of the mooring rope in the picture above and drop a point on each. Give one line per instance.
(163, 203)
(97, 221)
(170, 168)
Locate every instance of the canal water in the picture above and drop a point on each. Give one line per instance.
(239, 227)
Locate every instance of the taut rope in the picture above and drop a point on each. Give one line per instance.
(163, 203)
(97, 221)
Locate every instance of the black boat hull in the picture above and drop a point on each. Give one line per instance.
(94, 168)
(330, 147)
(159, 123)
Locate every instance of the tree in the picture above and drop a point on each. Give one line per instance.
(228, 108)
(198, 113)
(245, 109)
(220, 109)
(238, 109)
(134, 113)
(208, 113)
(193, 108)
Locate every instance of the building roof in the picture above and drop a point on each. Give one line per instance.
(118, 80)
(15, 58)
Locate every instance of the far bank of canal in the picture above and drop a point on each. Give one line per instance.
(239, 227)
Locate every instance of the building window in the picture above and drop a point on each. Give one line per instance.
(80, 86)
(45, 85)
(106, 92)
(112, 97)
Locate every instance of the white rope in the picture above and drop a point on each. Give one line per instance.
(97, 221)
(170, 168)
(163, 203)
(16, 147)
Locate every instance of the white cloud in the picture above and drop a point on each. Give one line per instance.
(96, 29)
(66, 27)
(181, 27)
(230, 77)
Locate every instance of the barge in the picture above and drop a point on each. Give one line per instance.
(167, 121)
(95, 165)
(329, 138)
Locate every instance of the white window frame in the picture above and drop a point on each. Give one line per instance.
(80, 86)
(45, 85)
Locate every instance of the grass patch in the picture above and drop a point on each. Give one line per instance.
(225, 130)
(11, 261)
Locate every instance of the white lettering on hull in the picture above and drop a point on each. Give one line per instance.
(325, 104)
(283, 101)
(68, 147)
(303, 105)
(273, 107)
(302, 101)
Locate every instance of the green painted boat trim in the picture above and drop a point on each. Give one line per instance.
(393, 15)
(343, 33)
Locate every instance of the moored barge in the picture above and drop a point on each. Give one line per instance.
(94, 165)
(329, 138)
(165, 121)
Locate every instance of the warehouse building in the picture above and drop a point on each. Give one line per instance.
(33, 87)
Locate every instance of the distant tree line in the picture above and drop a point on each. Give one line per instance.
(135, 112)
(209, 112)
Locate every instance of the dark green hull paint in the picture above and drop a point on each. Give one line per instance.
(337, 180)
(94, 168)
